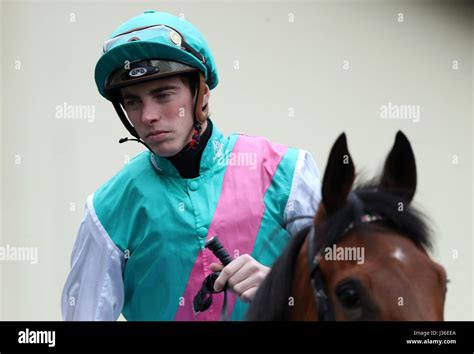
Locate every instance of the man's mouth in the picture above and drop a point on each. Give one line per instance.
(157, 134)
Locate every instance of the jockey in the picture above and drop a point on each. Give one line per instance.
(140, 246)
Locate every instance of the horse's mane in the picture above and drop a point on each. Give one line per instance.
(271, 303)
(398, 216)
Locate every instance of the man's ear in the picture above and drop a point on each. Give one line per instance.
(205, 99)
(202, 105)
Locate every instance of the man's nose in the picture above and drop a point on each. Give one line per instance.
(150, 112)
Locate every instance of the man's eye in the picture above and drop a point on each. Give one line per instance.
(129, 103)
(163, 95)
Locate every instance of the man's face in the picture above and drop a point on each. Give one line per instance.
(162, 113)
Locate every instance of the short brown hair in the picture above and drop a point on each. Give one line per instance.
(191, 80)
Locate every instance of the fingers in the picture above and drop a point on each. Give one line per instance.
(250, 270)
(216, 267)
(249, 294)
(228, 271)
(246, 284)
(243, 287)
(243, 276)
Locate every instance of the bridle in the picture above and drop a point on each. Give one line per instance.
(323, 305)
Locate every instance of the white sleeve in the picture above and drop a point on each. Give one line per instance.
(305, 193)
(94, 288)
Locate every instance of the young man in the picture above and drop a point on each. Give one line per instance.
(140, 247)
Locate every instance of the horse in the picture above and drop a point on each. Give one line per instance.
(365, 255)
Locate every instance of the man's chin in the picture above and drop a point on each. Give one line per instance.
(165, 151)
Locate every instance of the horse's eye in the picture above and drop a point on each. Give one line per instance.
(348, 295)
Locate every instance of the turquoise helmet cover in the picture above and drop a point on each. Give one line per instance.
(128, 47)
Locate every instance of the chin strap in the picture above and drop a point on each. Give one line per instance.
(124, 140)
(127, 125)
(193, 144)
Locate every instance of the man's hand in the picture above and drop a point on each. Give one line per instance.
(243, 276)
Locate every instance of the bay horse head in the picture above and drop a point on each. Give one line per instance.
(365, 256)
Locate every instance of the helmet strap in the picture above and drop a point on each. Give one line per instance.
(193, 144)
(127, 125)
(200, 114)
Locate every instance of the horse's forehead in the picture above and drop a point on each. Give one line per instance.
(377, 248)
(396, 246)
(398, 254)
(390, 243)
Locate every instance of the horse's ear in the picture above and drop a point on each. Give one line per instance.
(338, 177)
(399, 174)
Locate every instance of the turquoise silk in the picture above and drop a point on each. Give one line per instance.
(162, 221)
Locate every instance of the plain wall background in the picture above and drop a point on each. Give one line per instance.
(296, 72)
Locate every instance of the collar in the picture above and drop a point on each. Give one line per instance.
(188, 160)
(212, 153)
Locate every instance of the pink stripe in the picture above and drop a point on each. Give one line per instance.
(237, 218)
